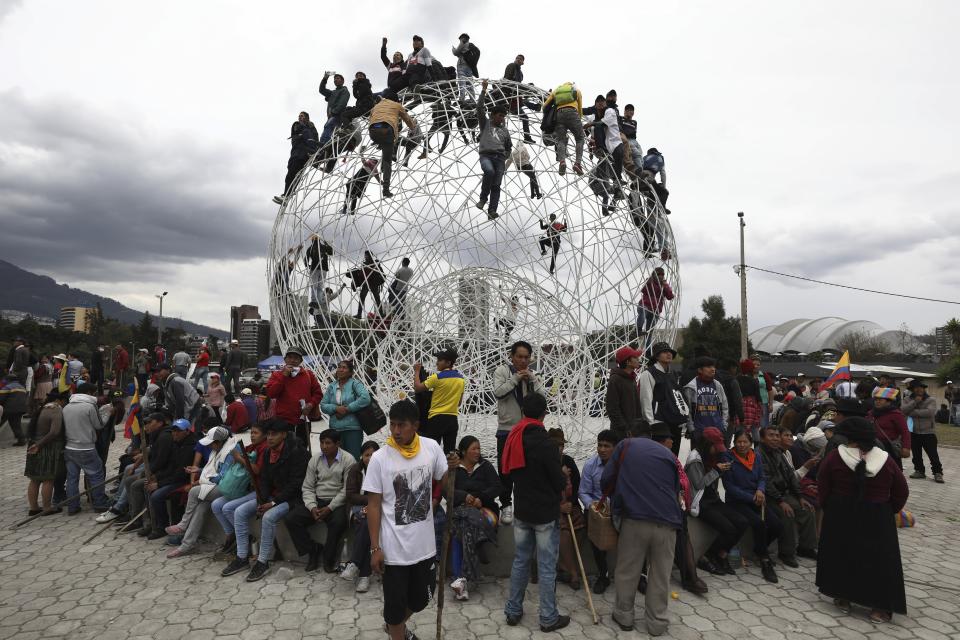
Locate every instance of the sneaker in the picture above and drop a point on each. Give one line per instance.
(278, 199)
(506, 516)
(459, 587)
(601, 584)
(236, 566)
(789, 561)
(107, 516)
(577, 169)
(350, 571)
(259, 570)
(481, 204)
(513, 620)
(563, 168)
(407, 633)
(387, 193)
(918, 475)
(562, 621)
(769, 574)
(174, 530)
(492, 215)
(938, 478)
(363, 585)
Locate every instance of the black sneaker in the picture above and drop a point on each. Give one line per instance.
(387, 193)
(918, 475)
(258, 571)
(481, 204)
(492, 215)
(562, 621)
(236, 566)
(769, 574)
(601, 584)
(706, 564)
(513, 620)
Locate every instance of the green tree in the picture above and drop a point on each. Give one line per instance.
(715, 335)
(145, 333)
(953, 330)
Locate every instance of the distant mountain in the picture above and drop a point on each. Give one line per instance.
(42, 296)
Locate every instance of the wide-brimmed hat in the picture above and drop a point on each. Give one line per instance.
(659, 348)
(851, 407)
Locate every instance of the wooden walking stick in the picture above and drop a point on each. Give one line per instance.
(442, 569)
(65, 501)
(132, 520)
(583, 572)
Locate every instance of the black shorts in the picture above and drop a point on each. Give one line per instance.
(407, 588)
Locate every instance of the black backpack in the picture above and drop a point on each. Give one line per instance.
(549, 121)
(472, 56)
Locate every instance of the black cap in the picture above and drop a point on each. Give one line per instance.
(294, 349)
(916, 382)
(277, 424)
(659, 348)
(161, 415)
(464, 35)
(660, 430)
(851, 407)
(499, 109)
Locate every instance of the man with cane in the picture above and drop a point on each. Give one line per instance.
(403, 547)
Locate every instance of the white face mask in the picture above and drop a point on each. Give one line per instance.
(295, 371)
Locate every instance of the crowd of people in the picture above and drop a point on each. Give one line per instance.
(808, 472)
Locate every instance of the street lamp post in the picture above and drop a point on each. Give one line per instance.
(160, 297)
(743, 293)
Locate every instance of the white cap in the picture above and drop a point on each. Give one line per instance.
(216, 434)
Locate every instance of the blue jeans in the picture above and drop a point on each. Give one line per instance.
(224, 510)
(546, 539)
(158, 502)
(493, 168)
(328, 129)
(268, 525)
(89, 462)
(200, 373)
(646, 321)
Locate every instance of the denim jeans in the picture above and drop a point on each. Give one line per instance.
(546, 539)
(268, 525)
(224, 510)
(123, 496)
(89, 462)
(465, 85)
(493, 168)
(646, 321)
(328, 128)
(201, 373)
(158, 502)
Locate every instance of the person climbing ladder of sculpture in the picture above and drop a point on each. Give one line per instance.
(551, 239)
(358, 184)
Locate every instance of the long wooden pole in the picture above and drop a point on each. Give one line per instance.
(583, 572)
(442, 569)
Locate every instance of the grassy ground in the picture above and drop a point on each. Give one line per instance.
(948, 435)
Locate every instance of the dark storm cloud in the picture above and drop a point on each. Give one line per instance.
(81, 192)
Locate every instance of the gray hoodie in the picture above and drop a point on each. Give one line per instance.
(81, 422)
(493, 140)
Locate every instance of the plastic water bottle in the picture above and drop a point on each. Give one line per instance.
(736, 560)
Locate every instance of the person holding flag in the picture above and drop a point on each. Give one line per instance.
(840, 373)
(131, 426)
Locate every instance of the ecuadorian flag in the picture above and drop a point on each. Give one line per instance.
(840, 372)
(132, 425)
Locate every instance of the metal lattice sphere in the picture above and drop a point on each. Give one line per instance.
(478, 284)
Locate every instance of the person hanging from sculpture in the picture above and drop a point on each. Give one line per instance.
(358, 184)
(323, 319)
(654, 167)
(317, 261)
(417, 68)
(397, 292)
(552, 238)
(599, 184)
(385, 122)
(494, 147)
(653, 296)
(442, 113)
(410, 141)
(521, 156)
(303, 144)
(368, 277)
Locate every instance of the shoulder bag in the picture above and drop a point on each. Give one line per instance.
(600, 526)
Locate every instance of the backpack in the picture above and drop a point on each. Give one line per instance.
(548, 123)
(235, 483)
(565, 93)
(472, 56)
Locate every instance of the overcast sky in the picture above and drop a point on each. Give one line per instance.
(140, 144)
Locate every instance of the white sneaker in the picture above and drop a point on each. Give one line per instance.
(107, 516)
(363, 585)
(350, 571)
(459, 587)
(506, 516)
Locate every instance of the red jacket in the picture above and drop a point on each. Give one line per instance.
(121, 360)
(286, 393)
(654, 293)
(203, 359)
(238, 417)
(891, 425)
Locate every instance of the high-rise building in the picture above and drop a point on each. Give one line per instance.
(77, 318)
(254, 340)
(238, 315)
(944, 343)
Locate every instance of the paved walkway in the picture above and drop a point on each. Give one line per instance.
(53, 586)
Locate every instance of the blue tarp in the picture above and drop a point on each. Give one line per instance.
(274, 363)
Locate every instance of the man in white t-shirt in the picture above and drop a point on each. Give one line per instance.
(399, 488)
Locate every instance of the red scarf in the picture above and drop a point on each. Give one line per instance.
(513, 457)
(748, 461)
(275, 454)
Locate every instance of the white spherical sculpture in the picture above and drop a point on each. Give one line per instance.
(478, 284)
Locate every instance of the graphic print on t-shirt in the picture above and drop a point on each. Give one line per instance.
(413, 489)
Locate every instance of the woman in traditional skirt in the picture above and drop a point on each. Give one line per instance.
(42, 383)
(860, 490)
(45, 454)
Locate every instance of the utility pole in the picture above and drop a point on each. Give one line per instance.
(163, 295)
(743, 293)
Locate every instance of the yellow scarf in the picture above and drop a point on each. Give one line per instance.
(409, 451)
